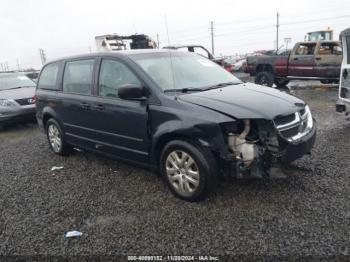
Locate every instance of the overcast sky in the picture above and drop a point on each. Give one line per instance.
(66, 27)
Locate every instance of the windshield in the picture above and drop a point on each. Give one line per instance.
(14, 81)
(183, 70)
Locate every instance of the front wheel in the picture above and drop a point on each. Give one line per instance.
(188, 171)
(264, 79)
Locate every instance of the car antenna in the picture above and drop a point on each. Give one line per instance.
(170, 56)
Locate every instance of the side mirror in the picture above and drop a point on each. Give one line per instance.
(132, 92)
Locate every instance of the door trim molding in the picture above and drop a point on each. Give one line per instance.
(105, 133)
(107, 144)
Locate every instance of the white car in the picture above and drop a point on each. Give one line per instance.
(238, 66)
(343, 104)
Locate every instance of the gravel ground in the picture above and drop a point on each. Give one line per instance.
(126, 210)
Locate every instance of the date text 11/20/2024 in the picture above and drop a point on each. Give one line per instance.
(173, 258)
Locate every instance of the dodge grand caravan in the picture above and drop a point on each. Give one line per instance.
(176, 112)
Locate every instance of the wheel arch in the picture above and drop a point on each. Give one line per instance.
(199, 139)
(48, 113)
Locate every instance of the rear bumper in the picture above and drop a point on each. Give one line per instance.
(18, 114)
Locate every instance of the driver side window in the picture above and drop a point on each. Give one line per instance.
(113, 75)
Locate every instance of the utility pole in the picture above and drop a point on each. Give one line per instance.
(17, 62)
(158, 43)
(167, 28)
(277, 26)
(42, 56)
(212, 36)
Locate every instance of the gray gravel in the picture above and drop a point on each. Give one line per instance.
(126, 210)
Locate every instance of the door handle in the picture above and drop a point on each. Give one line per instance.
(318, 58)
(295, 58)
(85, 105)
(99, 107)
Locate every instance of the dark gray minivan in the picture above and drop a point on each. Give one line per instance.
(175, 112)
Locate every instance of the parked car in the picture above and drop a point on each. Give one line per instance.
(239, 65)
(307, 61)
(343, 104)
(33, 75)
(17, 102)
(172, 111)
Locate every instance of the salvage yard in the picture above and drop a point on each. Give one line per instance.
(121, 209)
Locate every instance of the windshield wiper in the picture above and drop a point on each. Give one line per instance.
(184, 90)
(222, 85)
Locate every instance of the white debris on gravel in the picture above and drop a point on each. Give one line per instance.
(73, 234)
(56, 168)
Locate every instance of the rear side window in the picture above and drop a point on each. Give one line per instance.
(78, 77)
(329, 49)
(48, 77)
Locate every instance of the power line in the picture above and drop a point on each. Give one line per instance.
(316, 20)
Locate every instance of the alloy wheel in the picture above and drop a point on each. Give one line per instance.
(54, 138)
(182, 172)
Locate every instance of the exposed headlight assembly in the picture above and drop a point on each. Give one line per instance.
(7, 103)
(241, 147)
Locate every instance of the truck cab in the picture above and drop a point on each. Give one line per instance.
(343, 103)
(308, 60)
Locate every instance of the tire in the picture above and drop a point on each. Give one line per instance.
(265, 79)
(325, 81)
(55, 137)
(197, 179)
(281, 82)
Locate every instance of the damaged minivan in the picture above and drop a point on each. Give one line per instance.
(175, 112)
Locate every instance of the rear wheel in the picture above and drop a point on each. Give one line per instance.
(56, 139)
(264, 78)
(281, 82)
(188, 171)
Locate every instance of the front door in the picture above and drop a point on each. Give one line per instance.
(120, 126)
(302, 60)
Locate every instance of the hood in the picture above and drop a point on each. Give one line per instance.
(246, 101)
(19, 93)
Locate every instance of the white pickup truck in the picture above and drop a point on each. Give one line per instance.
(343, 104)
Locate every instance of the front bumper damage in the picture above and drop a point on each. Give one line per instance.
(271, 154)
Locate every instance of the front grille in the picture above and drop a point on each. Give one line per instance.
(25, 101)
(292, 127)
(290, 132)
(282, 120)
